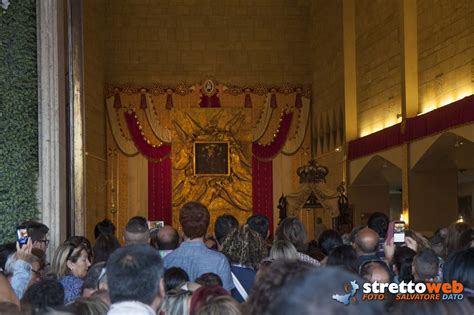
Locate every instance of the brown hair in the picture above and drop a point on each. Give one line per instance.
(194, 218)
(292, 230)
(245, 247)
(267, 286)
(454, 239)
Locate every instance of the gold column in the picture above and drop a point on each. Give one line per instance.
(350, 79)
(409, 84)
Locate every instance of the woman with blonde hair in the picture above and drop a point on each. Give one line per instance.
(70, 264)
(283, 250)
(177, 302)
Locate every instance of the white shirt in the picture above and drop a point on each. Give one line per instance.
(130, 307)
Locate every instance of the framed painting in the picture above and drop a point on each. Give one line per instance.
(211, 158)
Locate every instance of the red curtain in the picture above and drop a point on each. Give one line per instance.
(265, 152)
(262, 169)
(262, 188)
(454, 114)
(149, 151)
(159, 172)
(378, 141)
(159, 191)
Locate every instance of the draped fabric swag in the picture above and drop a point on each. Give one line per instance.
(140, 122)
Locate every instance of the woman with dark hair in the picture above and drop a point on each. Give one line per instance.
(245, 249)
(402, 264)
(328, 240)
(456, 238)
(460, 267)
(292, 230)
(174, 278)
(104, 246)
(70, 264)
(344, 256)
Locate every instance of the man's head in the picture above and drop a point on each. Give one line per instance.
(136, 231)
(366, 242)
(194, 218)
(425, 265)
(260, 224)
(378, 222)
(168, 238)
(134, 273)
(224, 224)
(43, 294)
(37, 232)
(104, 227)
(375, 271)
(91, 281)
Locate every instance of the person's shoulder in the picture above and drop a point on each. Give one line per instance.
(214, 254)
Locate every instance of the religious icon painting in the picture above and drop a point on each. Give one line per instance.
(211, 158)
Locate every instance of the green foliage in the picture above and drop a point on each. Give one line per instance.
(18, 117)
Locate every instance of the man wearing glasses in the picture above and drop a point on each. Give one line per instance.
(37, 232)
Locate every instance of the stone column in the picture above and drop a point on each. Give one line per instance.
(52, 120)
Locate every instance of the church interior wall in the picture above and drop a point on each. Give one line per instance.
(445, 51)
(95, 118)
(244, 42)
(378, 64)
(275, 42)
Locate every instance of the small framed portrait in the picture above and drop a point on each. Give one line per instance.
(211, 158)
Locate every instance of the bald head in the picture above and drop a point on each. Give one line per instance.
(366, 241)
(168, 238)
(375, 271)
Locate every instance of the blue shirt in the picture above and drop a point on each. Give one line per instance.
(72, 287)
(195, 258)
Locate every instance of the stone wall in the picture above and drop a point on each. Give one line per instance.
(239, 42)
(378, 64)
(445, 51)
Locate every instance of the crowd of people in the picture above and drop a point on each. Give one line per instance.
(240, 269)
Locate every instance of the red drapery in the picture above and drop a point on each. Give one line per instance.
(155, 153)
(378, 141)
(454, 114)
(210, 101)
(159, 172)
(159, 191)
(262, 188)
(262, 169)
(269, 151)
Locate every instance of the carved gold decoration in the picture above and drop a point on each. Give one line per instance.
(222, 194)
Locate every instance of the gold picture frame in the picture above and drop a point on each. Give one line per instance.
(211, 158)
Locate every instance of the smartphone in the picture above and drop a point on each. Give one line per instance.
(399, 232)
(22, 235)
(155, 224)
